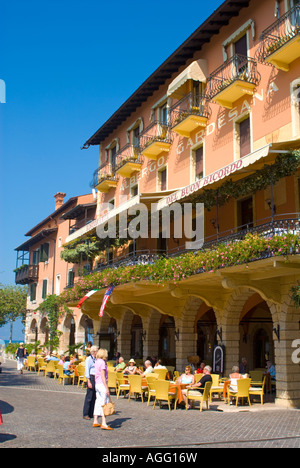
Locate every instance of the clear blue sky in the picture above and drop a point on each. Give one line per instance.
(68, 65)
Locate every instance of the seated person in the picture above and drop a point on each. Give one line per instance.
(66, 366)
(121, 365)
(234, 377)
(187, 377)
(159, 365)
(52, 357)
(148, 370)
(199, 387)
(201, 368)
(131, 369)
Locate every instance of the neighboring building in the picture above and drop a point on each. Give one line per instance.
(220, 110)
(40, 266)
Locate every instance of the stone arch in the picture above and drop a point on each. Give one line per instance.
(287, 368)
(44, 331)
(33, 330)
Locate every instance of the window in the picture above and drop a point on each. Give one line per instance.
(113, 153)
(241, 46)
(57, 285)
(32, 292)
(111, 204)
(44, 252)
(163, 114)
(245, 213)
(295, 107)
(35, 257)
(71, 277)
(136, 136)
(44, 290)
(162, 179)
(245, 138)
(134, 191)
(198, 163)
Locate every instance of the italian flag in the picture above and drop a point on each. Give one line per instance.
(89, 294)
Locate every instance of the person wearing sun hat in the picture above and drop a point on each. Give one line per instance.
(131, 368)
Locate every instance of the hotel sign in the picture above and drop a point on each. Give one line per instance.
(214, 177)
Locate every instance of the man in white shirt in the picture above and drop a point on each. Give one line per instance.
(149, 369)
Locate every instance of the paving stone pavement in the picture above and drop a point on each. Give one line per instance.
(40, 413)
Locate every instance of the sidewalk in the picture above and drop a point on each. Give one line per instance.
(38, 412)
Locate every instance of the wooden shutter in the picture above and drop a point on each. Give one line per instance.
(44, 290)
(163, 180)
(199, 162)
(245, 140)
(44, 252)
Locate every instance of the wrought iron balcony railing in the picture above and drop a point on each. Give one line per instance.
(104, 173)
(264, 228)
(189, 113)
(155, 139)
(279, 44)
(236, 77)
(128, 160)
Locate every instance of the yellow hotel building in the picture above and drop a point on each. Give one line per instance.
(217, 123)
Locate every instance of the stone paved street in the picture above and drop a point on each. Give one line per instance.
(40, 413)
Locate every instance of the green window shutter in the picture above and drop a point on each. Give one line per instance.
(44, 252)
(33, 292)
(44, 291)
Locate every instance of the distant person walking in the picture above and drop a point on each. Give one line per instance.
(90, 398)
(20, 355)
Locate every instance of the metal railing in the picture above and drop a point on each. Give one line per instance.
(238, 68)
(264, 228)
(280, 32)
(128, 153)
(107, 172)
(155, 132)
(191, 104)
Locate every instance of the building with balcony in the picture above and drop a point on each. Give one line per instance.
(217, 123)
(41, 267)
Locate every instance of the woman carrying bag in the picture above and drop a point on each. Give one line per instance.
(103, 405)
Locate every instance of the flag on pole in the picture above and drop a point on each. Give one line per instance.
(89, 294)
(107, 295)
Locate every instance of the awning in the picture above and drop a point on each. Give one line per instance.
(197, 71)
(145, 198)
(236, 171)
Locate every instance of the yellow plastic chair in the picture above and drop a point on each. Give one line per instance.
(161, 388)
(198, 377)
(123, 386)
(81, 375)
(150, 379)
(216, 387)
(41, 365)
(50, 368)
(256, 376)
(199, 397)
(112, 380)
(259, 391)
(162, 373)
(175, 375)
(62, 377)
(243, 386)
(31, 363)
(135, 386)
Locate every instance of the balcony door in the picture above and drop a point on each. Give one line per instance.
(245, 213)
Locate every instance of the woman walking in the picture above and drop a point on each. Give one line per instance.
(102, 390)
(20, 355)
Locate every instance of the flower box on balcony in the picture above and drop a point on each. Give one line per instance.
(104, 185)
(128, 166)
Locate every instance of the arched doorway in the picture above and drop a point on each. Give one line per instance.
(166, 345)
(45, 330)
(256, 333)
(206, 327)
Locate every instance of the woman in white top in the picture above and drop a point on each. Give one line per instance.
(131, 369)
(187, 378)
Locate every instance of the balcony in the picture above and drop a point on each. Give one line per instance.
(281, 41)
(155, 140)
(236, 78)
(189, 114)
(27, 274)
(129, 161)
(105, 178)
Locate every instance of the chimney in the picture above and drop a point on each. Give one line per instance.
(59, 199)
